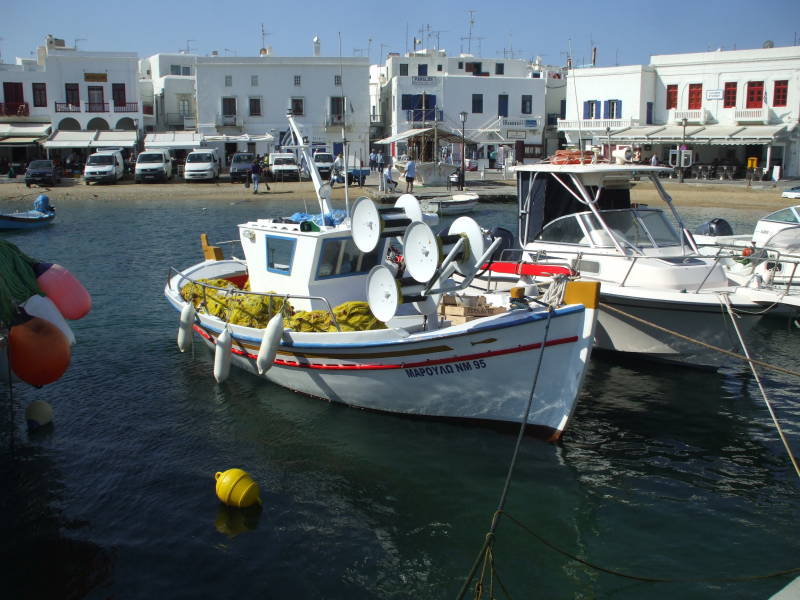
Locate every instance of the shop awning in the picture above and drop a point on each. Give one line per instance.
(18, 141)
(175, 140)
(34, 130)
(704, 134)
(124, 139)
(70, 139)
(444, 135)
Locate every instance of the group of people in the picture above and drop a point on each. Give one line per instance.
(376, 161)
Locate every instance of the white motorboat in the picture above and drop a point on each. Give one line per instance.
(657, 291)
(457, 204)
(262, 313)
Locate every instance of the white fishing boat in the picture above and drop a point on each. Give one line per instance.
(457, 204)
(658, 293)
(410, 359)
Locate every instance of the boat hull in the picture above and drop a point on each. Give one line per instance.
(26, 220)
(482, 370)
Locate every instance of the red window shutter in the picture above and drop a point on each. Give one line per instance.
(672, 96)
(780, 93)
(695, 96)
(729, 98)
(755, 94)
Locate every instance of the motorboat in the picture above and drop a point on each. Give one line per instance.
(766, 262)
(457, 204)
(659, 297)
(41, 215)
(282, 311)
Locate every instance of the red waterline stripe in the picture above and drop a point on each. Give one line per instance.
(384, 367)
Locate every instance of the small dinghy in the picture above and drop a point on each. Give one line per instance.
(457, 204)
(42, 214)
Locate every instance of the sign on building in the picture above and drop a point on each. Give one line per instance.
(95, 77)
(423, 80)
(713, 94)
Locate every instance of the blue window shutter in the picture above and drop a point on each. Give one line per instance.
(606, 108)
(597, 109)
(586, 110)
(649, 113)
(619, 109)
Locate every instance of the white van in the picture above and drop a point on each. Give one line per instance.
(105, 165)
(282, 166)
(202, 164)
(324, 164)
(153, 165)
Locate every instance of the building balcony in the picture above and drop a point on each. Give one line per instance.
(595, 124)
(173, 119)
(751, 115)
(228, 121)
(15, 109)
(66, 107)
(694, 117)
(126, 107)
(376, 119)
(95, 107)
(421, 115)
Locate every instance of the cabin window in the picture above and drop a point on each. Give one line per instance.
(280, 254)
(340, 257)
(563, 231)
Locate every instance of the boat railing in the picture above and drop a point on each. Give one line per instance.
(773, 257)
(236, 291)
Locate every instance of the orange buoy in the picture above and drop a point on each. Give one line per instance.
(747, 251)
(64, 289)
(38, 351)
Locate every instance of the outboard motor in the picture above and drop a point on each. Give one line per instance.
(714, 227)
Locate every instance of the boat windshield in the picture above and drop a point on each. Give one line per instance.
(41, 164)
(150, 157)
(643, 228)
(100, 159)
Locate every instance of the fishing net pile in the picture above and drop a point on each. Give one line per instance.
(17, 280)
(254, 310)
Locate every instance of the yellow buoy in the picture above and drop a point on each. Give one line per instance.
(38, 414)
(236, 488)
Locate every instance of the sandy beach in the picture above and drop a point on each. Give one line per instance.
(14, 195)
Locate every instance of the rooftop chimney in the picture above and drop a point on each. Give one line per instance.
(316, 45)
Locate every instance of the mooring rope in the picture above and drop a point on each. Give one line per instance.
(703, 344)
(485, 551)
(726, 301)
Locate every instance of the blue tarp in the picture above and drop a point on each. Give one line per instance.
(334, 217)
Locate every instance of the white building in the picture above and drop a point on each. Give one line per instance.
(724, 107)
(167, 87)
(241, 98)
(65, 89)
(503, 99)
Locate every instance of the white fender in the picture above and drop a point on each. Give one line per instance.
(270, 341)
(185, 327)
(44, 308)
(222, 355)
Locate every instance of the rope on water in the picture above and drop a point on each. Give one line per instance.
(727, 304)
(17, 280)
(735, 355)
(486, 550)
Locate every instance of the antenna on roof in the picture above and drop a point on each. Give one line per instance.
(188, 48)
(264, 35)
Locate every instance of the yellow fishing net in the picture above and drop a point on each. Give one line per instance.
(248, 310)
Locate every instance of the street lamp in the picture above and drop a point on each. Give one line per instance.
(680, 151)
(463, 116)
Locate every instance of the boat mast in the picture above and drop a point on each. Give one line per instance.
(324, 205)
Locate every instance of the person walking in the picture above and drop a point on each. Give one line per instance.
(372, 161)
(255, 174)
(411, 173)
(379, 162)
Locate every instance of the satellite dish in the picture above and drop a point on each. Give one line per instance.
(768, 44)
(383, 293)
(467, 227)
(421, 251)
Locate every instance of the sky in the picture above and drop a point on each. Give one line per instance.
(624, 32)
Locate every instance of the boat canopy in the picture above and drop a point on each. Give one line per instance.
(443, 134)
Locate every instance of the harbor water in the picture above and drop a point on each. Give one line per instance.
(665, 473)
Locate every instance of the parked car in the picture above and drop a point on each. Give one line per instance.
(282, 166)
(201, 164)
(153, 165)
(42, 172)
(324, 164)
(793, 192)
(240, 166)
(105, 165)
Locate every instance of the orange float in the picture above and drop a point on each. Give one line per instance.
(64, 289)
(747, 251)
(38, 352)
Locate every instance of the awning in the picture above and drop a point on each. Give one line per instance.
(244, 137)
(70, 139)
(175, 140)
(18, 141)
(35, 130)
(704, 134)
(442, 134)
(124, 139)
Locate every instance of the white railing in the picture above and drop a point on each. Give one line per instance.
(695, 116)
(751, 115)
(595, 124)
